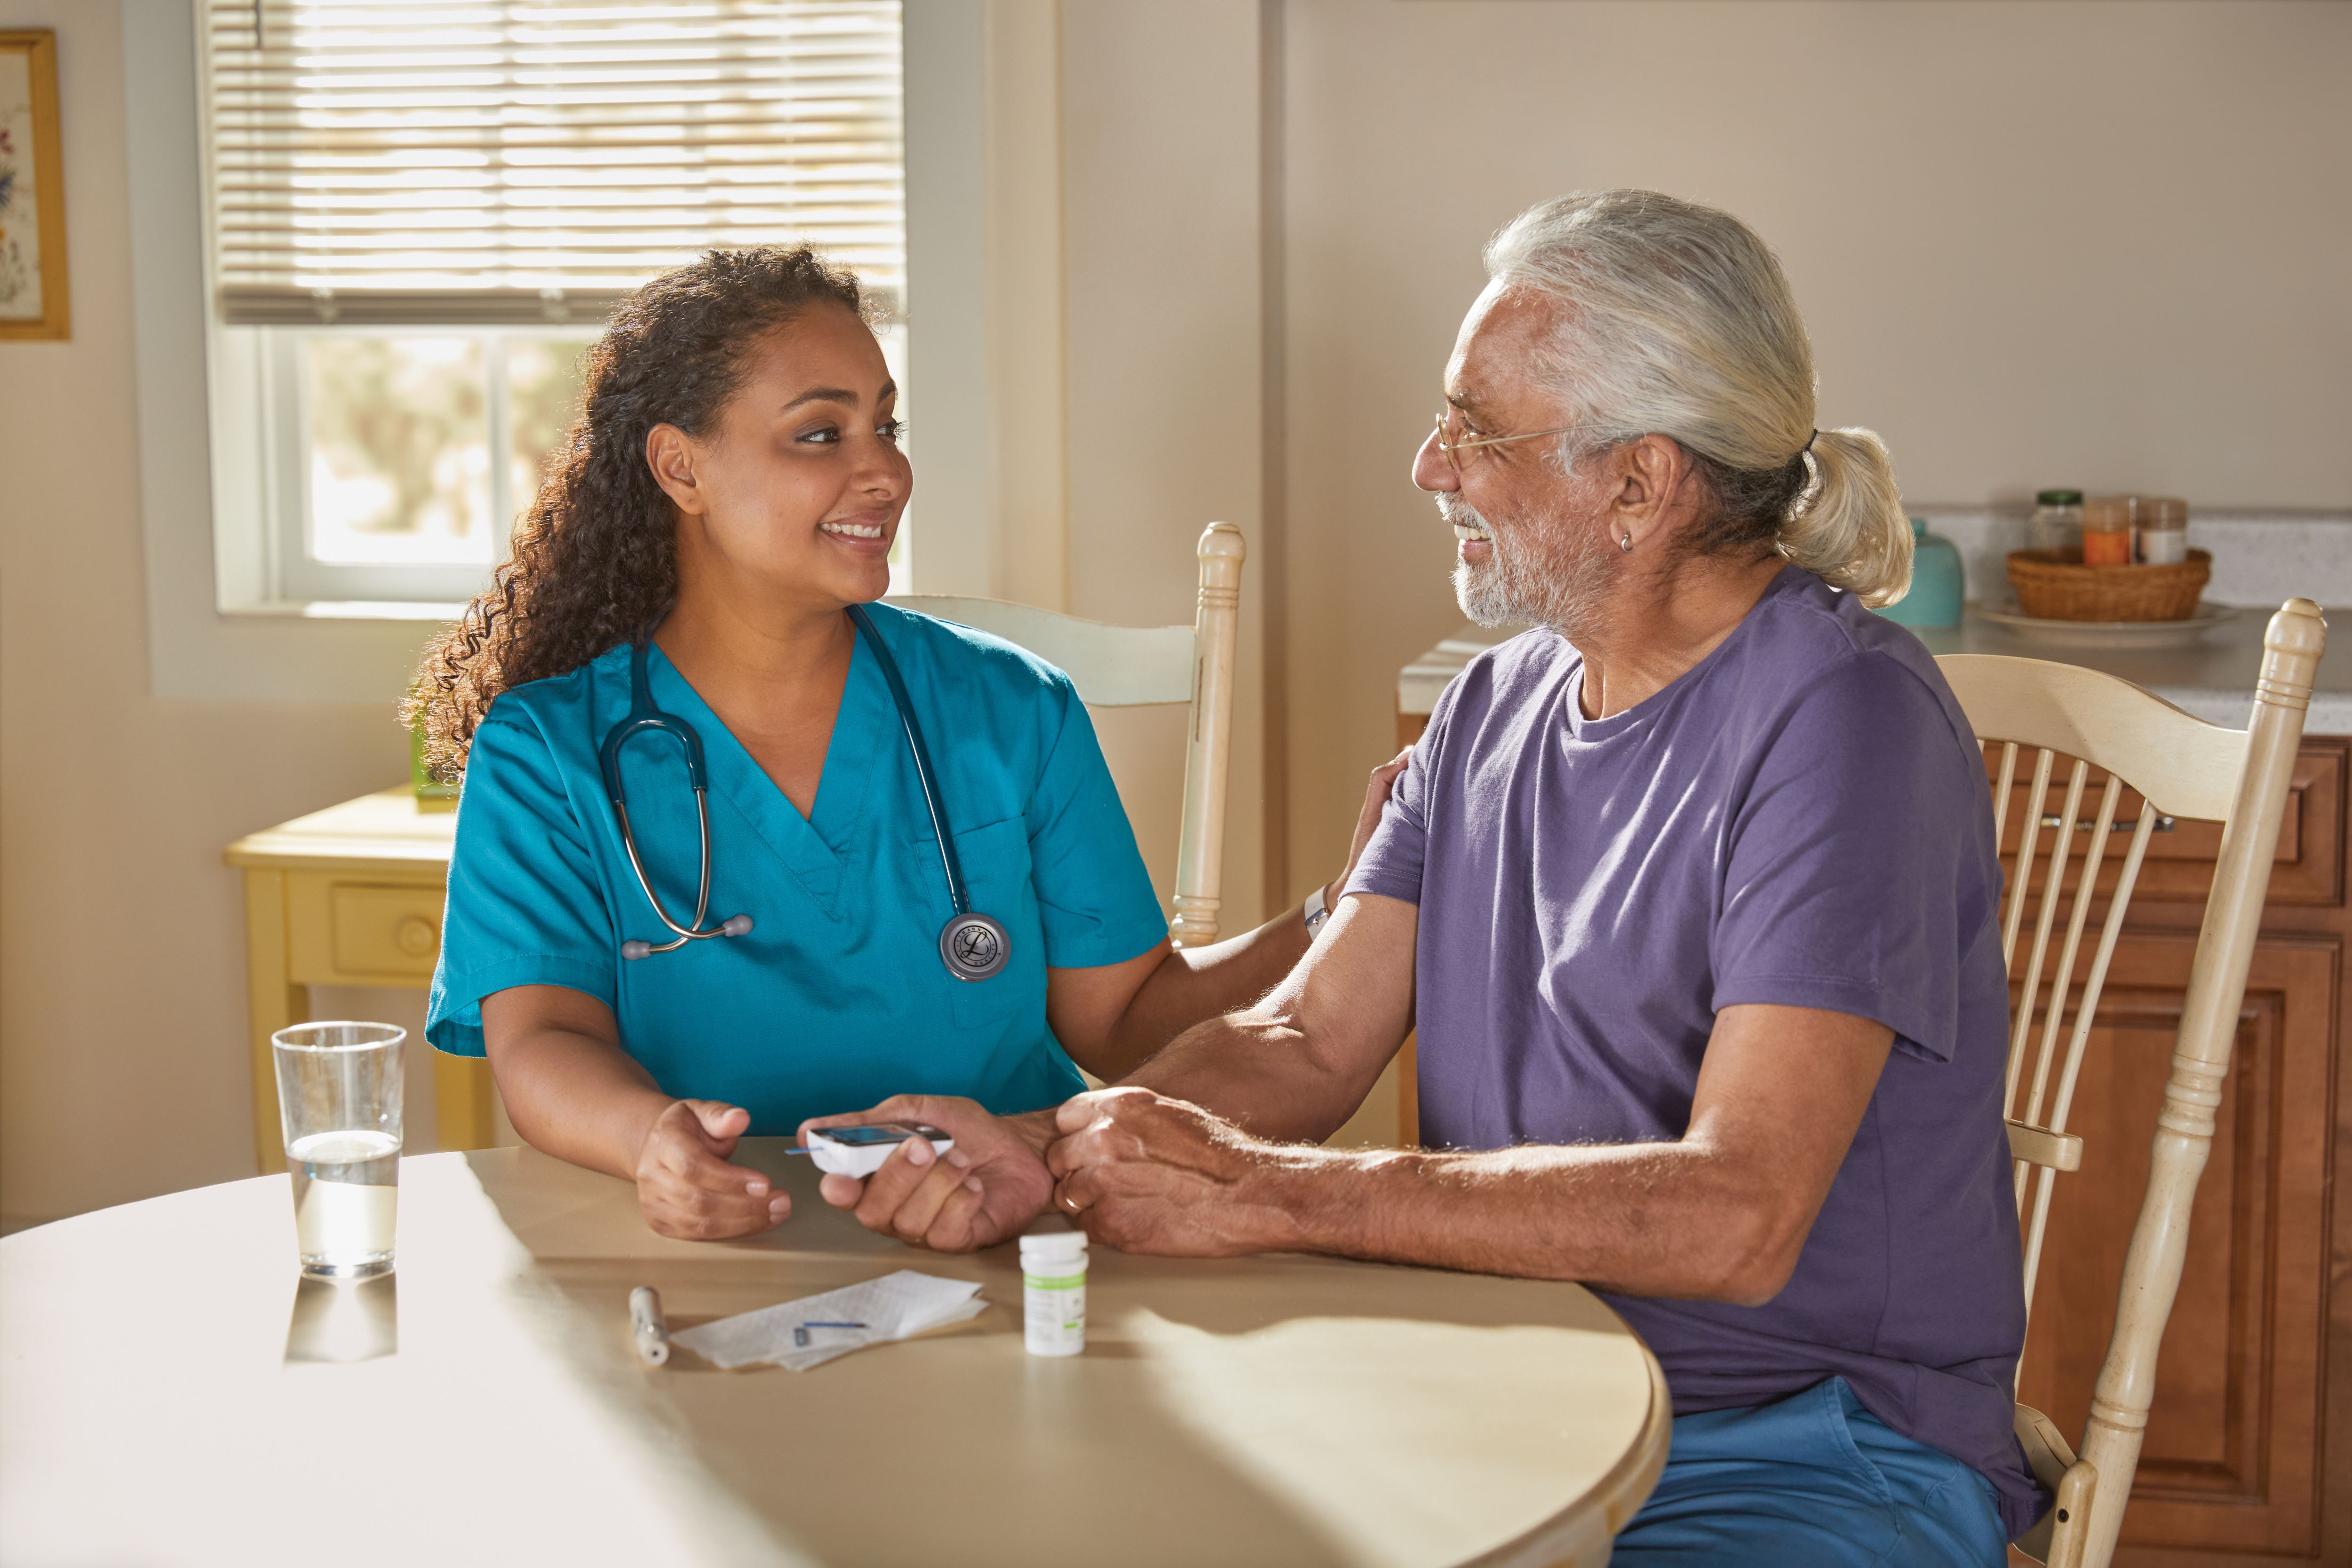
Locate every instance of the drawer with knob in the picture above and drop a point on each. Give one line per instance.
(361, 934)
(2308, 868)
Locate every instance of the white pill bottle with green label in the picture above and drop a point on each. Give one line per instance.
(1054, 1293)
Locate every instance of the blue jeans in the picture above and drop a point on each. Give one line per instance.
(1813, 1480)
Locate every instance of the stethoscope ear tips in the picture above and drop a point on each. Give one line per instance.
(735, 925)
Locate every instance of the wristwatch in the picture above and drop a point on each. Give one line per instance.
(1316, 913)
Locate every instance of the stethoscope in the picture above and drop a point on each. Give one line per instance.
(971, 945)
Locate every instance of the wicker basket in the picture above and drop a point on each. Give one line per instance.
(2054, 585)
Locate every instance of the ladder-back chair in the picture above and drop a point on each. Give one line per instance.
(2179, 766)
(1130, 667)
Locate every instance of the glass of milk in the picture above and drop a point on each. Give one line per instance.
(338, 1099)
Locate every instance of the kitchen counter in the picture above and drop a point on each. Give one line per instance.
(2213, 678)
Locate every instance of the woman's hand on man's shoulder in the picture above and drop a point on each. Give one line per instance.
(984, 1190)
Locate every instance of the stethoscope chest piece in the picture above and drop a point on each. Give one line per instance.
(974, 946)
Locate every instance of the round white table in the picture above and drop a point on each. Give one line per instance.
(172, 1393)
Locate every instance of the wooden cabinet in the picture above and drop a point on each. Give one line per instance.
(2248, 1456)
(2232, 1462)
(2307, 869)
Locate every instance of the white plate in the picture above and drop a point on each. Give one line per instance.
(2110, 634)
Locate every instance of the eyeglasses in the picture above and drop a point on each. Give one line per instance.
(1452, 447)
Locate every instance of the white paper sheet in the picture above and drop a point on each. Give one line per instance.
(892, 1307)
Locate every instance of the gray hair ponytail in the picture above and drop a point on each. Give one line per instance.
(1678, 322)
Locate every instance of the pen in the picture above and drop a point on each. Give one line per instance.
(800, 1333)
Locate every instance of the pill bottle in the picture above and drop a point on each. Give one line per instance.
(2107, 531)
(2163, 530)
(1054, 1293)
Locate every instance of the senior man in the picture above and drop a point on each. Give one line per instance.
(1691, 893)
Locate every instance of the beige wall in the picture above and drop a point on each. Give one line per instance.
(2037, 243)
(122, 1069)
(1161, 123)
(1937, 177)
(1066, 161)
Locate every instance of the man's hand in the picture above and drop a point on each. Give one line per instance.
(988, 1188)
(1147, 1174)
(684, 1185)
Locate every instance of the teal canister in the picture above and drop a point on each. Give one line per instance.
(1935, 596)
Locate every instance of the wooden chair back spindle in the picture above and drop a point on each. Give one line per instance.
(2179, 767)
(1133, 666)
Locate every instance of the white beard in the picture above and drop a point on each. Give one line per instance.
(1560, 587)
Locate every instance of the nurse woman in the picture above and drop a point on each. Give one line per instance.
(731, 491)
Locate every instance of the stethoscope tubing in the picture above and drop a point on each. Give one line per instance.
(644, 716)
(692, 930)
(974, 947)
(957, 894)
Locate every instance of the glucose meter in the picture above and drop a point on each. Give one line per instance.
(860, 1151)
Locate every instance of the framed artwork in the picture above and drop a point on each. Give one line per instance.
(32, 189)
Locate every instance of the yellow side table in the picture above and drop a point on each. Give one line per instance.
(350, 896)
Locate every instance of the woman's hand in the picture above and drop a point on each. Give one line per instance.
(572, 1092)
(986, 1188)
(1384, 782)
(684, 1185)
(1376, 800)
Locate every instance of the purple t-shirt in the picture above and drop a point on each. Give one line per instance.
(1800, 818)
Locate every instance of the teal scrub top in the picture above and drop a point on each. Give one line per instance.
(836, 998)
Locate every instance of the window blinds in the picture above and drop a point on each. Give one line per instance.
(510, 162)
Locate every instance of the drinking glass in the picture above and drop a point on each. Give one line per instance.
(339, 1101)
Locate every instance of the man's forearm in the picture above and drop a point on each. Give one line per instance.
(1645, 1219)
(1720, 1214)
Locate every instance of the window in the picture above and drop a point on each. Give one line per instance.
(421, 211)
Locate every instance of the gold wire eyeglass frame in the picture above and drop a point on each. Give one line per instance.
(1451, 447)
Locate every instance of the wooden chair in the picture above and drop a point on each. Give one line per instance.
(1129, 667)
(2180, 766)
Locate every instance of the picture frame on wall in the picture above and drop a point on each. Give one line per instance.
(32, 302)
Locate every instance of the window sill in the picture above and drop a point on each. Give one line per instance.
(351, 609)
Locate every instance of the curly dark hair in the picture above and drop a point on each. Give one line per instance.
(595, 559)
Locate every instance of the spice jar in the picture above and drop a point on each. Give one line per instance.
(2163, 526)
(2057, 521)
(2107, 531)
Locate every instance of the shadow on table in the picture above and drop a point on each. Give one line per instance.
(953, 1447)
(337, 1322)
(1249, 1295)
